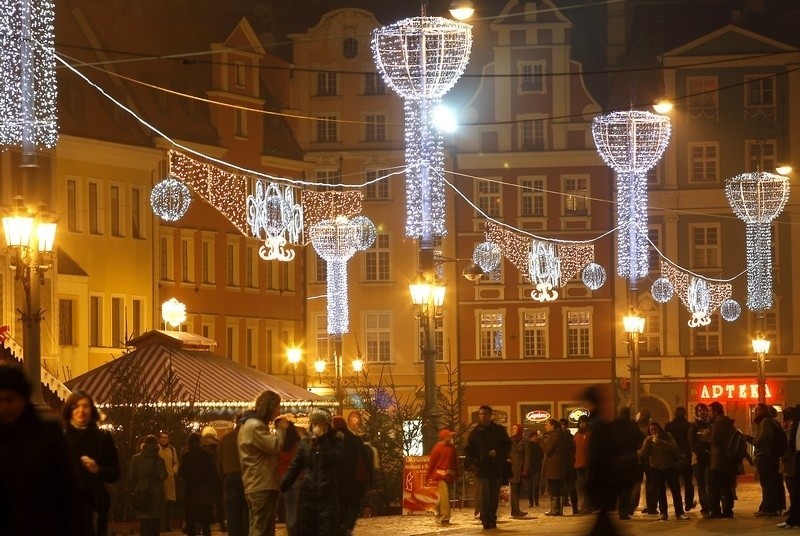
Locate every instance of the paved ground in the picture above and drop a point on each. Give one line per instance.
(743, 524)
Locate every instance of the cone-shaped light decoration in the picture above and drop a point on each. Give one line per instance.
(757, 198)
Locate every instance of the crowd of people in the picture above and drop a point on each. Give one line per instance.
(319, 477)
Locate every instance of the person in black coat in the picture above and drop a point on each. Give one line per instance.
(355, 474)
(486, 452)
(679, 429)
(199, 473)
(629, 438)
(534, 456)
(97, 454)
(318, 458)
(39, 487)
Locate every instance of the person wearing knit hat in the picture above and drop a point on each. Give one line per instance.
(442, 471)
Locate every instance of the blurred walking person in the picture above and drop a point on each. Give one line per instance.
(97, 454)
(442, 471)
(199, 474)
(147, 475)
(355, 475)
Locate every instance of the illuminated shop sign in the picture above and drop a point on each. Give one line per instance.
(730, 391)
(577, 413)
(537, 415)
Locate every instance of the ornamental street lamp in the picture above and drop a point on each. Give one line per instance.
(293, 355)
(634, 326)
(357, 365)
(29, 241)
(428, 297)
(761, 348)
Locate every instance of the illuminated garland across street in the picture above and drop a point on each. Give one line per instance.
(757, 199)
(422, 58)
(700, 296)
(631, 143)
(27, 74)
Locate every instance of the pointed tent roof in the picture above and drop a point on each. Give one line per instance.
(201, 376)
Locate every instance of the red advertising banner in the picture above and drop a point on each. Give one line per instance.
(418, 496)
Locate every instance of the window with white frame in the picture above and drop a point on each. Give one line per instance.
(490, 335)
(531, 134)
(489, 199)
(376, 259)
(251, 266)
(137, 228)
(95, 223)
(271, 275)
(232, 262)
(703, 91)
(95, 321)
(376, 189)
(232, 340)
(207, 259)
(117, 322)
(72, 205)
(576, 196)
(327, 129)
(66, 322)
(375, 127)
(187, 257)
(705, 245)
(703, 162)
(240, 78)
(326, 84)
(653, 258)
(379, 336)
(532, 197)
(532, 76)
(207, 330)
(706, 339)
(534, 334)
(650, 339)
(769, 328)
(325, 346)
(759, 91)
(374, 84)
(320, 269)
(250, 343)
(116, 203)
(165, 256)
(137, 318)
(328, 176)
(761, 155)
(579, 333)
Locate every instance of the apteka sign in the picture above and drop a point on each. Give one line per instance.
(731, 391)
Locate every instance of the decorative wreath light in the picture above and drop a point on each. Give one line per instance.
(274, 217)
(421, 59)
(631, 143)
(27, 74)
(593, 276)
(730, 310)
(662, 290)
(170, 199)
(336, 241)
(758, 198)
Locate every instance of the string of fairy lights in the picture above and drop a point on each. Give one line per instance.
(420, 58)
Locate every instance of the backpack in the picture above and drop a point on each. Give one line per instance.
(779, 441)
(735, 448)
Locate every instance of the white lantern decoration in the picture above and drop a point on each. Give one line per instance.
(170, 199)
(730, 310)
(698, 298)
(544, 269)
(662, 290)
(593, 276)
(487, 255)
(274, 217)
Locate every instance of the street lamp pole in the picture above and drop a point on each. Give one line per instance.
(293, 355)
(760, 348)
(634, 326)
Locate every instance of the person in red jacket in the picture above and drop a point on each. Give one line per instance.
(442, 470)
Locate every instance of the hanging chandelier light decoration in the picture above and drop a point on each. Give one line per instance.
(336, 241)
(631, 143)
(27, 74)
(544, 270)
(593, 276)
(730, 310)
(274, 217)
(757, 199)
(662, 290)
(170, 199)
(487, 255)
(700, 296)
(421, 59)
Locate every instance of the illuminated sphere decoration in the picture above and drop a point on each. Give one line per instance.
(421, 59)
(662, 290)
(757, 199)
(487, 255)
(28, 77)
(730, 310)
(631, 143)
(366, 234)
(593, 276)
(170, 199)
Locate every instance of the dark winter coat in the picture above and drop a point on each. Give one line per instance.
(699, 444)
(721, 429)
(199, 474)
(662, 453)
(353, 453)
(483, 439)
(318, 460)
(534, 457)
(569, 454)
(555, 451)
(679, 428)
(148, 472)
(628, 438)
(39, 486)
(517, 457)
(99, 445)
(764, 439)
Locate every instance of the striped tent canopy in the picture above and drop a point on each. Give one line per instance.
(198, 375)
